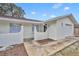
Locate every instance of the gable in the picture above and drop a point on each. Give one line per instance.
(65, 21)
(70, 16)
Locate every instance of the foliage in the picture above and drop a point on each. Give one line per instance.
(11, 9)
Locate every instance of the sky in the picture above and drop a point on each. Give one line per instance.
(45, 11)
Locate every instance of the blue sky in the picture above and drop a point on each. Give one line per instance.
(44, 11)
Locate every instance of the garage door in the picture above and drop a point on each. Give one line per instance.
(68, 30)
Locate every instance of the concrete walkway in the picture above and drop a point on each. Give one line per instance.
(48, 49)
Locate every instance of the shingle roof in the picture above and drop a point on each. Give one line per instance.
(21, 18)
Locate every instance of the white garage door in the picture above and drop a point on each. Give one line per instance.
(68, 30)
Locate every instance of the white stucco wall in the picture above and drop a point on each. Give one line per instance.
(27, 33)
(4, 27)
(63, 30)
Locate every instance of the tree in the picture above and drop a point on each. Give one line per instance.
(10, 9)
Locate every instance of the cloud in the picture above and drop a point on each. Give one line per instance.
(33, 12)
(52, 16)
(57, 5)
(66, 8)
(44, 15)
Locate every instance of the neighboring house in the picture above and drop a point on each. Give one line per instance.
(15, 30)
(76, 30)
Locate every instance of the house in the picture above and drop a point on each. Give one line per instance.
(15, 30)
(58, 28)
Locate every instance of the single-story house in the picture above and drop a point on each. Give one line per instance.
(15, 30)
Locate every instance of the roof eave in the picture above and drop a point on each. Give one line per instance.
(19, 21)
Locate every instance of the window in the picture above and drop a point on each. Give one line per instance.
(38, 28)
(15, 27)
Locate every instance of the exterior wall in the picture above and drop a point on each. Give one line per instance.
(27, 33)
(63, 30)
(40, 35)
(4, 27)
(11, 38)
(51, 30)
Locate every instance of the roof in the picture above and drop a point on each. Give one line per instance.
(21, 18)
(25, 20)
(61, 17)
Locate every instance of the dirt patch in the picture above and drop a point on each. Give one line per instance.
(16, 50)
(44, 41)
